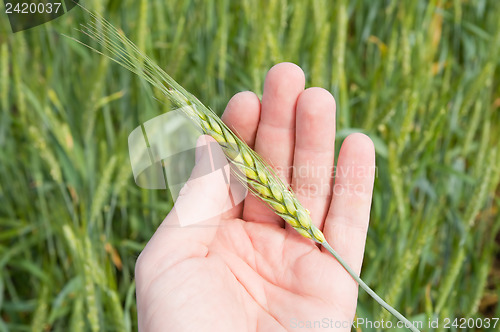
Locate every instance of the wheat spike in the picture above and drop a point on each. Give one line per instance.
(250, 168)
(263, 182)
(258, 175)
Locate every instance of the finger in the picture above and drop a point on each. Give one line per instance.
(347, 221)
(242, 116)
(276, 132)
(314, 152)
(191, 225)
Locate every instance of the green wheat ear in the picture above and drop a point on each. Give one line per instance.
(251, 169)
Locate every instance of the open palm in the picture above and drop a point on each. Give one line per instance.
(252, 272)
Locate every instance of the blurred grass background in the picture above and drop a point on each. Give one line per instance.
(419, 77)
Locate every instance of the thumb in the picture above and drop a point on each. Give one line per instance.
(205, 194)
(192, 223)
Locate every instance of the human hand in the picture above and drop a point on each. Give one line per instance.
(252, 272)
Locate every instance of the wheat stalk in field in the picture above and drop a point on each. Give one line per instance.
(250, 168)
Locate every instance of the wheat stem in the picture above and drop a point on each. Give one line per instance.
(367, 288)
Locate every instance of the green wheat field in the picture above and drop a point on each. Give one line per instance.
(421, 78)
